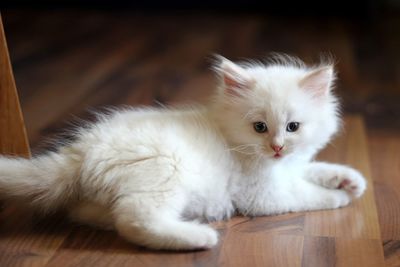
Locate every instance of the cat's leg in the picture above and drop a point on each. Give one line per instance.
(308, 196)
(335, 176)
(295, 195)
(156, 224)
(147, 201)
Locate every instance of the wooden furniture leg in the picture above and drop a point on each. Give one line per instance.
(13, 139)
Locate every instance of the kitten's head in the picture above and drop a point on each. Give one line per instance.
(276, 109)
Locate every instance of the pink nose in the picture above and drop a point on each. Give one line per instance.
(276, 148)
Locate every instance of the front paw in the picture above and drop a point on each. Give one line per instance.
(349, 180)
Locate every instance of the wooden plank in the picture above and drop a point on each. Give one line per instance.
(319, 251)
(260, 249)
(385, 159)
(13, 140)
(358, 252)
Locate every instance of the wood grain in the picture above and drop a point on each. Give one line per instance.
(319, 251)
(358, 252)
(13, 139)
(385, 158)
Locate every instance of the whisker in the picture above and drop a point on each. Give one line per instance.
(246, 149)
(243, 146)
(245, 153)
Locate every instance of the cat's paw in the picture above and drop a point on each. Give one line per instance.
(349, 180)
(206, 238)
(200, 236)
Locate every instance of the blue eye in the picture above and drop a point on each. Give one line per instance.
(260, 127)
(292, 126)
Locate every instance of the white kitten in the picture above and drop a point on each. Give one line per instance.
(154, 174)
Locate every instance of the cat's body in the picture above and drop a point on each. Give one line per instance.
(155, 174)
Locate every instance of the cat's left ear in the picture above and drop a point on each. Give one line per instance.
(318, 82)
(236, 80)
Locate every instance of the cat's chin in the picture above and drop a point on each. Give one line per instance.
(276, 156)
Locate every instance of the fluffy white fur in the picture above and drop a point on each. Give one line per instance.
(157, 175)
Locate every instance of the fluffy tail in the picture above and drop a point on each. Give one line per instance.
(47, 181)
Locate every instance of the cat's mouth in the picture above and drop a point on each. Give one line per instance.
(271, 154)
(274, 154)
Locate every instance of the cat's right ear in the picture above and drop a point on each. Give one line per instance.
(235, 79)
(318, 82)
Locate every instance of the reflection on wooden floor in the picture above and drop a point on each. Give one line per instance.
(68, 61)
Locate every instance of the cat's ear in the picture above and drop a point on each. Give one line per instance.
(235, 79)
(318, 82)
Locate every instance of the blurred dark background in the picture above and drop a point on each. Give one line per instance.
(305, 7)
(72, 56)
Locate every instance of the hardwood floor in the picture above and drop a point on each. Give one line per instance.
(66, 62)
